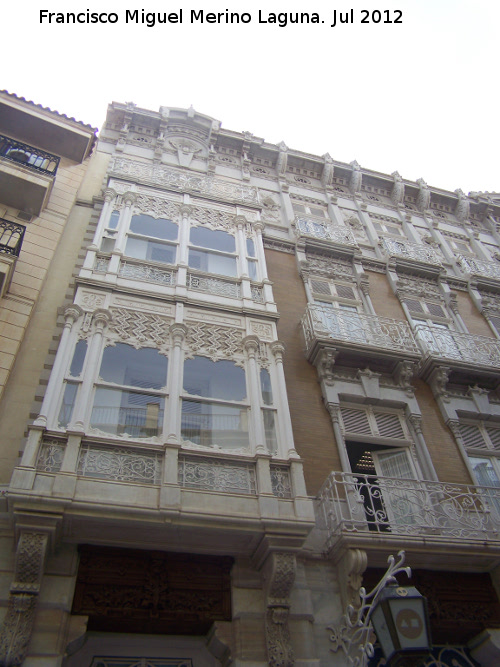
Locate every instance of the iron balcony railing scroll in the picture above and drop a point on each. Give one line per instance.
(352, 503)
(412, 251)
(11, 237)
(453, 345)
(322, 229)
(28, 156)
(479, 267)
(342, 325)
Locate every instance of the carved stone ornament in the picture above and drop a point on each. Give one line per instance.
(398, 189)
(421, 288)
(462, 209)
(214, 342)
(424, 195)
(356, 177)
(328, 169)
(20, 617)
(139, 329)
(157, 206)
(214, 219)
(279, 576)
(186, 150)
(270, 208)
(329, 267)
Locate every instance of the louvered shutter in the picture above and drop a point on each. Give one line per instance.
(356, 421)
(472, 436)
(494, 435)
(389, 425)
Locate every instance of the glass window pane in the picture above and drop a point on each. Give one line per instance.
(484, 471)
(252, 269)
(68, 403)
(156, 252)
(208, 424)
(265, 387)
(224, 265)
(270, 431)
(250, 248)
(125, 365)
(113, 219)
(107, 245)
(127, 412)
(159, 228)
(214, 239)
(78, 358)
(214, 379)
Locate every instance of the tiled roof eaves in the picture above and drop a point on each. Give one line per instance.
(56, 113)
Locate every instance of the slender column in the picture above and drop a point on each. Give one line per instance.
(128, 199)
(182, 259)
(241, 221)
(284, 421)
(119, 249)
(251, 344)
(109, 196)
(259, 249)
(101, 319)
(334, 410)
(178, 333)
(71, 315)
(416, 422)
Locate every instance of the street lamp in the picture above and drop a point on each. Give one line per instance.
(397, 614)
(401, 622)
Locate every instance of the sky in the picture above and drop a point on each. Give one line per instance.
(419, 96)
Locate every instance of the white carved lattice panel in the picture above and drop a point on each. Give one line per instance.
(216, 475)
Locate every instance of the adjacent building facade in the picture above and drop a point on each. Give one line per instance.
(270, 371)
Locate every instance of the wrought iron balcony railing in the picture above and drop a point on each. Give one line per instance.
(358, 328)
(322, 229)
(11, 237)
(367, 504)
(412, 251)
(479, 267)
(453, 345)
(28, 156)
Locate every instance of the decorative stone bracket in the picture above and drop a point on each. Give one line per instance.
(279, 576)
(19, 620)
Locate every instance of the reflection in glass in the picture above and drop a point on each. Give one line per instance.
(214, 379)
(113, 220)
(125, 365)
(265, 386)
(150, 250)
(127, 412)
(270, 431)
(68, 403)
(208, 424)
(203, 260)
(159, 228)
(250, 248)
(78, 358)
(213, 239)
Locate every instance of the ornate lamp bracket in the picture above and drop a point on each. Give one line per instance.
(353, 632)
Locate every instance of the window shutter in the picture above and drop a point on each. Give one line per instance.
(494, 434)
(495, 320)
(472, 436)
(356, 421)
(389, 425)
(345, 291)
(318, 212)
(414, 306)
(320, 286)
(435, 309)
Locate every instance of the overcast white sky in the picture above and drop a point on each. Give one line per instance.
(421, 98)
